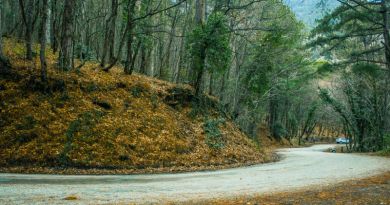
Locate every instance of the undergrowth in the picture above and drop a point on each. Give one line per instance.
(214, 137)
(95, 119)
(83, 126)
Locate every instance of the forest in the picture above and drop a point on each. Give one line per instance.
(218, 75)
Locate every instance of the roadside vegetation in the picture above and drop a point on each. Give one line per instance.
(111, 121)
(187, 84)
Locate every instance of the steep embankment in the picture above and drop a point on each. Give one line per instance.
(120, 123)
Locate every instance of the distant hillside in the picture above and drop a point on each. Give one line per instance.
(93, 119)
(310, 10)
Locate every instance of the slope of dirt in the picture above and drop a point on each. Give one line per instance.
(92, 119)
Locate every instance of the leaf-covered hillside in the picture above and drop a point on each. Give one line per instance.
(94, 119)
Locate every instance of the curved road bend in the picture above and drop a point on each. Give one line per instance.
(300, 167)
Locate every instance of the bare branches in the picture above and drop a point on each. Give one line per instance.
(157, 11)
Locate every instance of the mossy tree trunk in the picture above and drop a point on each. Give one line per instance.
(199, 65)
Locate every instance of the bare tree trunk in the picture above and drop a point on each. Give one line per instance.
(66, 45)
(166, 63)
(142, 66)
(132, 65)
(273, 115)
(160, 48)
(28, 22)
(386, 36)
(211, 83)
(43, 38)
(4, 63)
(54, 26)
(109, 41)
(130, 37)
(180, 64)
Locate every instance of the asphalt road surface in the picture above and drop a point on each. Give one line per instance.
(299, 168)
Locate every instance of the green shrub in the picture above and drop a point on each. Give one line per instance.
(154, 100)
(28, 123)
(90, 87)
(214, 137)
(279, 130)
(136, 91)
(201, 106)
(26, 137)
(386, 141)
(83, 125)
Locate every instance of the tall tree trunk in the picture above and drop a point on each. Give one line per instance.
(29, 29)
(142, 67)
(130, 37)
(182, 60)
(166, 63)
(386, 36)
(4, 63)
(132, 65)
(43, 38)
(160, 48)
(211, 83)
(48, 23)
(273, 114)
(199, 66)
(109, 41)
(54, 26)
(66, 45)
(27, 15)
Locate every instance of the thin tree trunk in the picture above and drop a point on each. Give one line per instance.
(109, 41)
(130, 37)
(27, 15)
(166, 63)
(54, 27)
(142, 67)
(66, 47)
(211, 84)
(132, 65)
(4, 63)
(386, 36)
(43, 39)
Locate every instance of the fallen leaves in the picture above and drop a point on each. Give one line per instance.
(370, 191)
(71, 198)
(134, 130)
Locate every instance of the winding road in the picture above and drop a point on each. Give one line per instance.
(299, 168)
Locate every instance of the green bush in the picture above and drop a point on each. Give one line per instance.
(214, 137)
(386, 141)
(279, 130)
(201, 106)
(154, 101)
(90, 87)
(28, 123)
(83, 125)
(136, 91)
